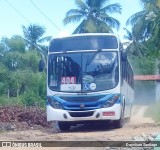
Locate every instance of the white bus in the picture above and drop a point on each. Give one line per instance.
(89, 79)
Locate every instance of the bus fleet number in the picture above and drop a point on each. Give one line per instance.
(68, 80)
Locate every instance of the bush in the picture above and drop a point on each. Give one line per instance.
(14, 101)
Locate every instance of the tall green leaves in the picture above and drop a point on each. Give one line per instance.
(140, 22)
(93, 16)
(17, 43)
(135, 47)
(145, 33)
(32, 34)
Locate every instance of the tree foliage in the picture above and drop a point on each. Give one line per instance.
(94, 16)
(145, 33)
(32, 34)
(19, 76)
(140, 21)
(136, 47)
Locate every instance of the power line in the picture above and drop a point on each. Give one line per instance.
(17, 11)
(45, 16)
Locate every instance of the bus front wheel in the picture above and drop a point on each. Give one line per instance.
(63, 126)
(120, 123)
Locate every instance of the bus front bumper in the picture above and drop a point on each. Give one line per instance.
(110, 113)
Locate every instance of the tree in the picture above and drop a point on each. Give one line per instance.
(94, 16)
(140, 22)
(154, 18)
(158, 3)
(4, 45)
(19, 74)
(33, 36)
(17, 43)
(4, 78)
(140, 58)
(135, 47)
(151, 2)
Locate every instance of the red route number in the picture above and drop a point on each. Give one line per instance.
(68, 80)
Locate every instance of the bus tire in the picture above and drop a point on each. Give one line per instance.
(63, 126)
(120, 123)
(129, 118)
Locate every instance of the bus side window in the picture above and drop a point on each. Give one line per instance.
(123, 72)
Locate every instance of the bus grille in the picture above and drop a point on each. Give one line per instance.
(81, 114)
(82, 99)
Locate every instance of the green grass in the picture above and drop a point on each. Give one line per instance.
(153, 111)
(21, 101)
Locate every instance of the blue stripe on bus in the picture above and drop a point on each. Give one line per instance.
(88, 105)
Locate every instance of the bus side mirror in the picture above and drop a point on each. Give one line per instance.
(41, 65)
(124, 56)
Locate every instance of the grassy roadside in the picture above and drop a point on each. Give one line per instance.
(153, 111)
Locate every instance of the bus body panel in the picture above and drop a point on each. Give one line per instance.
(58, 114)
(128, 93)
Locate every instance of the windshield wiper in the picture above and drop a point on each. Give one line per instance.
(89, 61)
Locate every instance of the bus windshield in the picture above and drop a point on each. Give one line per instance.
(83, 72)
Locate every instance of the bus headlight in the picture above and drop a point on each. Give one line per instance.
(111, 101)
(54, 103)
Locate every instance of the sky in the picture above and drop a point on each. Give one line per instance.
(17, 13)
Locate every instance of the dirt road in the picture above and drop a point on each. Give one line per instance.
(137, 126)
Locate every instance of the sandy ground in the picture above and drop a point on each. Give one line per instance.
(137, 126)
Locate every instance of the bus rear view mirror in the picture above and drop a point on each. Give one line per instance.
(123, 56)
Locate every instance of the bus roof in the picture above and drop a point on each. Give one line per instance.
(86, 34)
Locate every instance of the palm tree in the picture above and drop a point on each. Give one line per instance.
(140, 22)
(93, 16)
(153, 2)
(158, 3)
(33, 37)
(32, 34)
(154, 41)
(152, 18)
(135, 47)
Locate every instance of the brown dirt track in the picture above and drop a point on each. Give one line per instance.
(137, 126)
